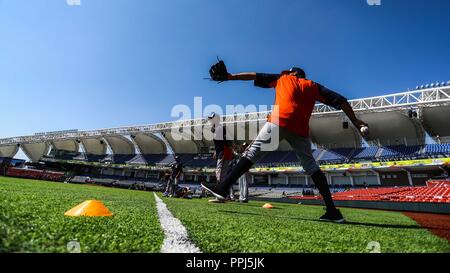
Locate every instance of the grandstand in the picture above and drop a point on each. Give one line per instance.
(275, 158)
(438, 192)
(409, 150)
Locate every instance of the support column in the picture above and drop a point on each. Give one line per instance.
(137, 149)
(329, 179)
(352, 181)
(269, 179)
(409, 178)
(307, 180)
(287, 180)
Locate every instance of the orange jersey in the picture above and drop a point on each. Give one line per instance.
(295, 99)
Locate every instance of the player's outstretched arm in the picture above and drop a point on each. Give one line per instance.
(247, 76)
(338, 101)
(219, 72)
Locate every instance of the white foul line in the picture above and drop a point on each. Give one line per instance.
(176, 239)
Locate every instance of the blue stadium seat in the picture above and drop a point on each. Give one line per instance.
(273, 157)
(283, 158)
(399, 152)
(122, 159)
(291, 157)
(336, 156)
(316, 153)
(95, 158)
(366, 153)
(168, 159)
(153, 158)
(200, 161)
(437, 149)
(138, 160)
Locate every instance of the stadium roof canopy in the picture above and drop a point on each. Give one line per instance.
(396, 119)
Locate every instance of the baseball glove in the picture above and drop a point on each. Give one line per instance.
(218, 72)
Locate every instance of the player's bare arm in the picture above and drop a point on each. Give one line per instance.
(219, 72)
(338, 101)
(246, 76)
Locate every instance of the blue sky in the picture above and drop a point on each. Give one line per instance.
(111, 63)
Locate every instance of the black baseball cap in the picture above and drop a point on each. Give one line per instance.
(300, 72)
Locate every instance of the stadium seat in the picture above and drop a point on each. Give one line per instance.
(122, 159)
(367, 153)
(436, 192)
(196, 160)
(336, 156)
(274, 158)
(95, 158)
(437, 150)
(400, 152)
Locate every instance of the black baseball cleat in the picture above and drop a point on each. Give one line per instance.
(215, 189)
(335, 217)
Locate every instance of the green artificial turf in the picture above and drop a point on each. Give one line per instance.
(234, 227)
(32, 218)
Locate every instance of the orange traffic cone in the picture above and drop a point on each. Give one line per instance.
(267, 206)
(89, 208)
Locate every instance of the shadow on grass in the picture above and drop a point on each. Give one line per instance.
(351, 223)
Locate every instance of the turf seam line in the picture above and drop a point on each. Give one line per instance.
(176, 239)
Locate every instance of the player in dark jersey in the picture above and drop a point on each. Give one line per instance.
(223, 152)
(177, 171)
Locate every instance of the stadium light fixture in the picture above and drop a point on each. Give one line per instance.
(412, 113)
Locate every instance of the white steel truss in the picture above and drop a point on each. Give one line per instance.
(424, 97)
